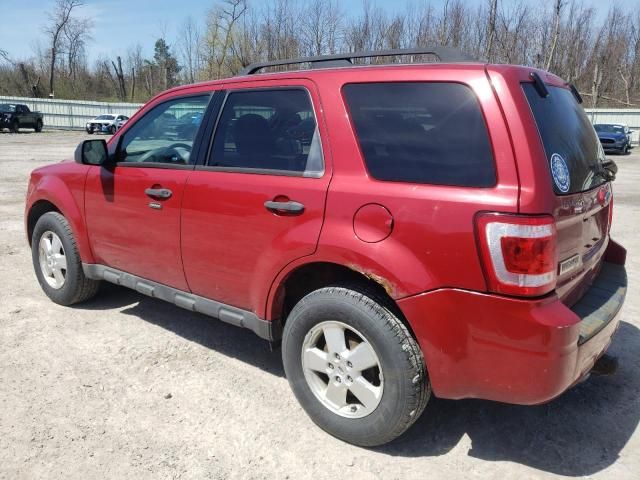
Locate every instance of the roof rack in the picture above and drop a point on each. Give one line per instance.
(444, 54)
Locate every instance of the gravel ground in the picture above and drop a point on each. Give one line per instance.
(125, 386)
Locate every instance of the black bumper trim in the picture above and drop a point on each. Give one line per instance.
(602, 302)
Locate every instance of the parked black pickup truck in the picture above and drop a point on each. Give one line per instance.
(15, 116)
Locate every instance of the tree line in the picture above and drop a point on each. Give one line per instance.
(598, 51)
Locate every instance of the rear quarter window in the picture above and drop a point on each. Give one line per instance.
(421, 132)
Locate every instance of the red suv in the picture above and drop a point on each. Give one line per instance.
(401, 229)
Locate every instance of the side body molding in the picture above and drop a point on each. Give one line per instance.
(235, 316)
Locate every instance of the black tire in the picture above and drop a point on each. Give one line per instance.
(89, 131)
(112, 129)
(15, 126)
(76, 288)
(38, 127)
(406, 384)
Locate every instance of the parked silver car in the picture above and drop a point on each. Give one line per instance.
(106, 123)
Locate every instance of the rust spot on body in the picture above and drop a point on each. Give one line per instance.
(383, 282)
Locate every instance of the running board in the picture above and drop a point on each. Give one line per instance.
(235, 316)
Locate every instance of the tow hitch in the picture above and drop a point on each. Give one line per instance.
(605, 365)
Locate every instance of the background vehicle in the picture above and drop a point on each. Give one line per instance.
(614, 137)
(121, 121)
(106, 123)
(15, 116)
(402, 230)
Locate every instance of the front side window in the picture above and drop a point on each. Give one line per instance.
(166, 133)
(421, 132)
(272, 130)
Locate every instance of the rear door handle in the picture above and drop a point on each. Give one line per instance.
(158, 193)
(290, 207)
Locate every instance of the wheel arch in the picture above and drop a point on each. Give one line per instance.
(52, 195)
(39, 208)
(313, 275)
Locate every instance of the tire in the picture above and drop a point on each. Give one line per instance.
(399, 379)
(15, 126)
(112, 129)
(38, 127)
(75, 287)
(89, 131)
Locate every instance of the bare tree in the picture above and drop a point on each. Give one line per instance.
(491, 28)
(122, 87)
(557, 9)
(59, 20)
(188, 45)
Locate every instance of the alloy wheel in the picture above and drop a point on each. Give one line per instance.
(342, 369)
(53, 261)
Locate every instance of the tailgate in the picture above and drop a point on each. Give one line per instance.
(581, 196)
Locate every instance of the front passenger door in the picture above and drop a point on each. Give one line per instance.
(133, 206)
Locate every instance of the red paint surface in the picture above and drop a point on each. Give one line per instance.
(372, 223)
(215, 238)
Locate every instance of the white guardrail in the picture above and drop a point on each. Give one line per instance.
(73, 114)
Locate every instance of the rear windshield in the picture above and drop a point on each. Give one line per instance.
(422, 133)
(571, 145)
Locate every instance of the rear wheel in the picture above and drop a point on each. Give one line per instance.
(353, 366)
(57, 262)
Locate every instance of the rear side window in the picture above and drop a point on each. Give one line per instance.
(422, 133)
(573, 151)
(273, 131)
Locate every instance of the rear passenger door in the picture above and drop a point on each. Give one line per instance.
(257, 203)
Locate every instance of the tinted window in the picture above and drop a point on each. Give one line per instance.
(566, 132)
(422, 132)
(166, 133)
(271, 130)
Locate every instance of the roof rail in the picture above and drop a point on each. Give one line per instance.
(444, 54)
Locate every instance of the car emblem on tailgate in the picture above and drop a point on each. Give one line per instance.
(560, 172)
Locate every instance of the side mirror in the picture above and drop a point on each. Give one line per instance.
(92, 152)
(611, 168)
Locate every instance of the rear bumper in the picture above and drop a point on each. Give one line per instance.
(513, 350)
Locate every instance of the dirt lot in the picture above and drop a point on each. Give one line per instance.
(128, 387)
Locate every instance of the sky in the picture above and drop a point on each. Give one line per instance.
(120, 24)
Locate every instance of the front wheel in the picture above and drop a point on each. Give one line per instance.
(57, 262)
(112, 129)
(15, 126)
(354, 366)
(38, 127)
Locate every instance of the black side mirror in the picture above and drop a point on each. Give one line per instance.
(92, 152)
(611, 168)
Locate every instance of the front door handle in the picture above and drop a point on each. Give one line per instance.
(287, 208)
(163, 193)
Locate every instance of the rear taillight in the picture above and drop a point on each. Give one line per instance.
(518, 253)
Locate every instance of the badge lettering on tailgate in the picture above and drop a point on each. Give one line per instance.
(569, 264)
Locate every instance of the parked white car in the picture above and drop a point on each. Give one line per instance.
(106, 123)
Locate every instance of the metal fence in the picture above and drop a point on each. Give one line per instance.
(73, 114)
